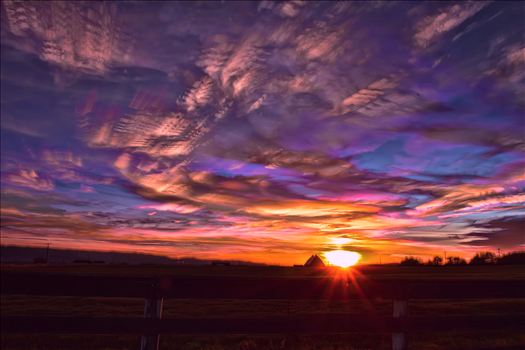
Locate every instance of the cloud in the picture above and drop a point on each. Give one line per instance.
(76, 42)
(434, 26)
(263, 130)
(30, 179)
(508, 233)
(309, 209)
(177, 208)
(364, 96)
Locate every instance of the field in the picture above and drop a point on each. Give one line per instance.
(221, 308)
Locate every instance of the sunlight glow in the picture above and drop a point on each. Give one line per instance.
(341, 240)
(342, 258)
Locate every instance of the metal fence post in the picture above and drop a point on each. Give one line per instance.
(400, 308)
(152, 310)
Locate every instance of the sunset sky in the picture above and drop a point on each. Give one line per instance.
(264, 131)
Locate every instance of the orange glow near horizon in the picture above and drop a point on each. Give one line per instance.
(342, 258)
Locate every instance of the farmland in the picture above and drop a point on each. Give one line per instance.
(237, 308)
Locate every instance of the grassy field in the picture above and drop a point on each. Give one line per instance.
(126, 307)
(370, 271)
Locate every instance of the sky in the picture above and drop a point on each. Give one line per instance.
(264, 131)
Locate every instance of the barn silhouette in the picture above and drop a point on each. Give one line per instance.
(314, 261)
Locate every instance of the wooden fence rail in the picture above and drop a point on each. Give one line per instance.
(154, 290)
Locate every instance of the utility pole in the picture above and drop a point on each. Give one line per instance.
(47, 253)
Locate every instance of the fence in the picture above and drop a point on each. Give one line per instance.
(154, 290)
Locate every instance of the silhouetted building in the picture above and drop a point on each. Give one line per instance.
(314, 261)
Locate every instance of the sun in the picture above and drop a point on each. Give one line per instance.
(342, 258)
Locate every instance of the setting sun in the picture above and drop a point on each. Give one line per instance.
(342, 258)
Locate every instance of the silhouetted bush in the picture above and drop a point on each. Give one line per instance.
(410, 261)
(515, 258)
(435, 261)
(456, 260)
(484, 258)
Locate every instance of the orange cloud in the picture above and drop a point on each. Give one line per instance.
(309, 208)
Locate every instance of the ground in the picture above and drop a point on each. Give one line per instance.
(39, 305)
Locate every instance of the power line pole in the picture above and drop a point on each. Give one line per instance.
(47, 253)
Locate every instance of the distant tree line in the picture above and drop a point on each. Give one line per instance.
(483, 258)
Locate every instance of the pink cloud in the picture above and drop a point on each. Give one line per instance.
(432, 27)
(177, 208)
(31, 179)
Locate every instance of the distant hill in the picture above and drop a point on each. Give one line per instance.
(20, 255)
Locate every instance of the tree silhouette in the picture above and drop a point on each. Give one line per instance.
(514, 258)
(484, 258)
(435, 261)
(410, 261)
(456, 260)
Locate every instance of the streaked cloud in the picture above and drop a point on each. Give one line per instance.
(433, 26)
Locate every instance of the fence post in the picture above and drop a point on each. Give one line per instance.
(400, 308)
(153, 310)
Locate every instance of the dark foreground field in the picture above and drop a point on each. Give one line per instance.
(12, 305)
